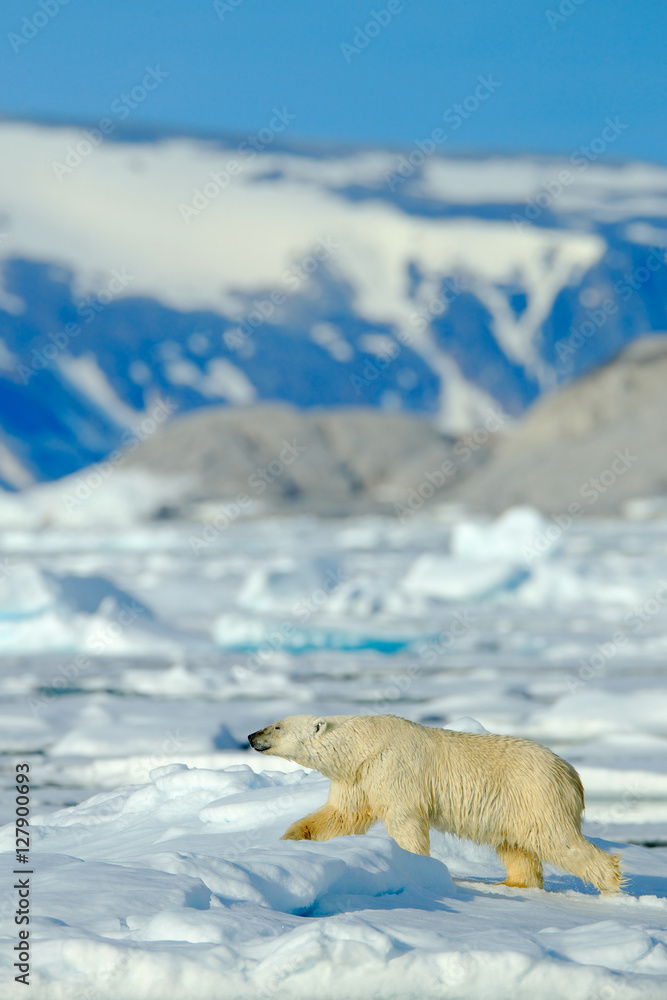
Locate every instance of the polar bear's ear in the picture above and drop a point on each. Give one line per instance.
(319, 727)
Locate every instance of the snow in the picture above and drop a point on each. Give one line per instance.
(503, 538)
(85, 374)
(454, 579)
(133, 670)
(180, 884)
(222, 380)
(12, 470)
(79, 500)
(607, 192)
(188, 266)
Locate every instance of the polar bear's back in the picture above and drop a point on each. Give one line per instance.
(497, 789)
(489, 788)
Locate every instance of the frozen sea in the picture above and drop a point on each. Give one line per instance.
(135, 659)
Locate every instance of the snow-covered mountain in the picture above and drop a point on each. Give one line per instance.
(169, 272)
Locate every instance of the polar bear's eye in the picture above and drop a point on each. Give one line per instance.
(276, 727)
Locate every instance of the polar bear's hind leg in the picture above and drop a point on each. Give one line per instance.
(592, 865)
(524, 869)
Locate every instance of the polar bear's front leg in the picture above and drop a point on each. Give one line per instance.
(318, 825)
(324, 824)
(410, 832)
(346, 811)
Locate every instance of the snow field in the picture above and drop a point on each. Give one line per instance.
(180, 885)
(132, 672)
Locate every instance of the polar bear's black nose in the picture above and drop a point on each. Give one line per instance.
(255, 740)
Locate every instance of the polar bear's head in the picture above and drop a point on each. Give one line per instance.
(297, 738)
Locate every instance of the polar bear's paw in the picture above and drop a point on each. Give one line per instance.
(298, 831)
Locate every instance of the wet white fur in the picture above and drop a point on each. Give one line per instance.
(510, 793)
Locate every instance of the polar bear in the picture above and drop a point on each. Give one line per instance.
(508, 792)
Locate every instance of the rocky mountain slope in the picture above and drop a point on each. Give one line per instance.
(598, 444)
(594, 446)
(232, 463)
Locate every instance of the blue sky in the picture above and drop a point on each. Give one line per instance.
(560, 68)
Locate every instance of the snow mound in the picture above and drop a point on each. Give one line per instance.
(271, 637)
(504, 538)
(24, 592)
(99, 495)
(486, 559)
(466, 725)
(573, 584)
(456, 579)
